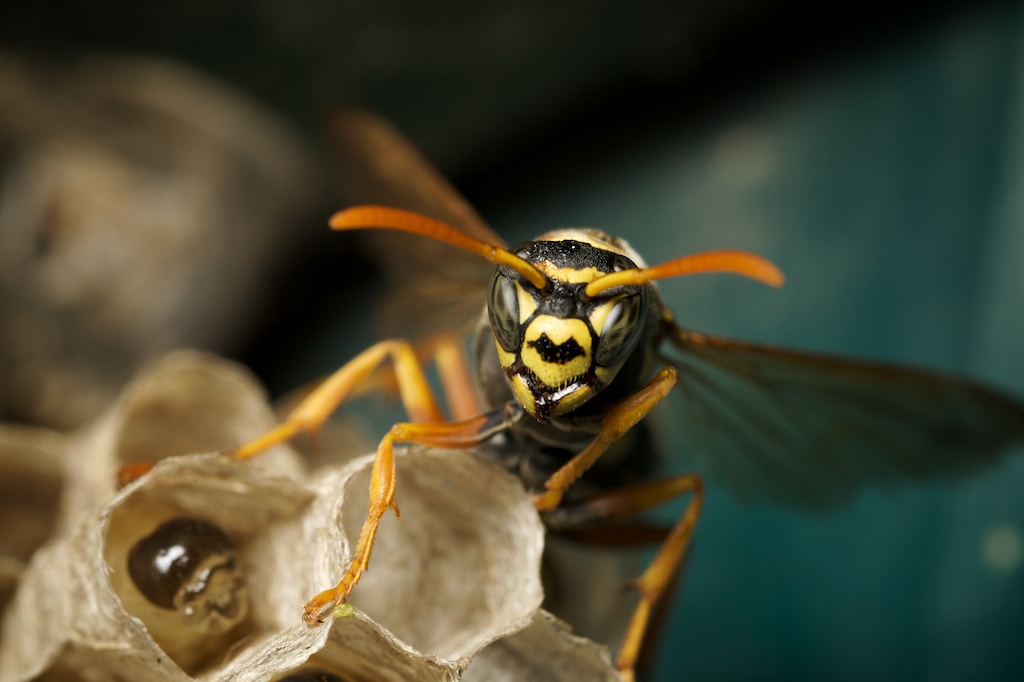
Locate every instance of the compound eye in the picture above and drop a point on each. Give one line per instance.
(621, 263)
(503, 310)
(621, 330)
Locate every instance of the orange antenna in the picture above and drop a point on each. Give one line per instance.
(364, 217)
(739, 262)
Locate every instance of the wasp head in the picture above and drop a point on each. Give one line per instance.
(558, 346)
(566, 310)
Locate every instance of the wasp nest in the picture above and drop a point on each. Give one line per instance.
(30, 489)
(199, 569)
(142, 207)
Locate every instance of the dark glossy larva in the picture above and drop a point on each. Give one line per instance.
(190, 566)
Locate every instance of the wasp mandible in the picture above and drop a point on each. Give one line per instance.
(575, 347)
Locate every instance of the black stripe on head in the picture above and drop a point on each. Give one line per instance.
(558, 354)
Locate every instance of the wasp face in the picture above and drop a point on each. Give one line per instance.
(558, 347)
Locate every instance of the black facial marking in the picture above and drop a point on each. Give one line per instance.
(558, 354)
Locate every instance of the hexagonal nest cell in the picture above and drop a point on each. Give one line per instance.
(198, 569)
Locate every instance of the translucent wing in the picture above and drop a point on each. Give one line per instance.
(379, 166)
(782, 426)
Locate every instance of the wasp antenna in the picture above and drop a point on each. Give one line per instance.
(738, 262)
(366, 217)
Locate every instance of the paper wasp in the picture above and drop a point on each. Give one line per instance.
(575, 347)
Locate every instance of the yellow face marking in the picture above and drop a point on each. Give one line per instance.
(571, 401)
(523, 394)
(552, 372)
(556, 350)
(600, 314)
(504, 357)
(527, 303)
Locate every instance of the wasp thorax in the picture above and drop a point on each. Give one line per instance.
(190, 566)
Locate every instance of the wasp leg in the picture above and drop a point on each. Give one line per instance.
(618, 420)
(427, 427)
(130, 472)
(449, 354)
(653, 582)
(456, 379)
(461, 434)
(661, 573)
(315, 408)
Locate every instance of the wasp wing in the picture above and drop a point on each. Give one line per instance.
(784, 426)
(379, 166)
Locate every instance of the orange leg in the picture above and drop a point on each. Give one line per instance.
(658, 577)
(427, 427)
(660, 574)
(462, 434)
(130, 472)
(357, 377)
(621, 418)
(315, 408)
(456, 378)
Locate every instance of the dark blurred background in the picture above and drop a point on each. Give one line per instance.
(875, 151)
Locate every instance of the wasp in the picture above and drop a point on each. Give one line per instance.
(575, 346)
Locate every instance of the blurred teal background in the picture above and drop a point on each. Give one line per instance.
(889, 186)
(877, 158)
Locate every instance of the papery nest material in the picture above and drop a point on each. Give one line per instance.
(449, 586)
(183, 403)
(143, 206)
(31, 481)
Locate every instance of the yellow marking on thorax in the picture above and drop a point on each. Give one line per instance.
(596, 238)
